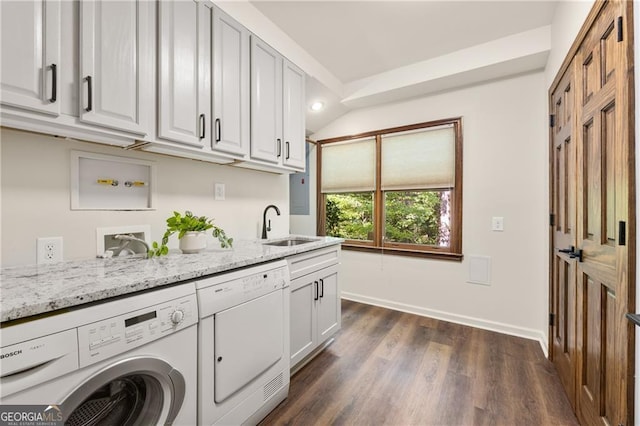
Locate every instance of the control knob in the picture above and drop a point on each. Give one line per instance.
(177, 316)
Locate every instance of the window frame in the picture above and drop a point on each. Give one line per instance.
(453, 251)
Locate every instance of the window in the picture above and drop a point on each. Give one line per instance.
(397, 190)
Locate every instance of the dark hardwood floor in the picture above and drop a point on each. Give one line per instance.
(393, 368)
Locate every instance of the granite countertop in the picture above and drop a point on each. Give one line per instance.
(37, 289)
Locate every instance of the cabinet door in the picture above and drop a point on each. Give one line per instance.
(230, 85)
(293, 116)
(30, 55)
(184, 67)
(114, 66)
(328, 304)
(266, 102)
(303, 327)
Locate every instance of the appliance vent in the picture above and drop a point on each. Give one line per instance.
(273, 386)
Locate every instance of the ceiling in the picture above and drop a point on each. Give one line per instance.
(368, 44)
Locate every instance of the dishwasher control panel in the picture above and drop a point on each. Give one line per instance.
(223, 291)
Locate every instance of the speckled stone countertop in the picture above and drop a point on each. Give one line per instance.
(36, 289)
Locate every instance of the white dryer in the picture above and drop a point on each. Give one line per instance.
(243, 362)
(127, 361)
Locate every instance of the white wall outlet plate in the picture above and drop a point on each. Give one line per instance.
(497, 223)
(220, 192)
(49, 250)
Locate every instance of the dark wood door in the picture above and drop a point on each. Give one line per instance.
(563, 260)
(603, 339)
(592, 187)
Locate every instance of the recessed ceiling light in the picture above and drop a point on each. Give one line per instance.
(317, 106)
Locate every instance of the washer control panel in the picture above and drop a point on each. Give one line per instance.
(103, 339)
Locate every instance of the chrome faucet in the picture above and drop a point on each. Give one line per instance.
(266, 227)
(129, 237)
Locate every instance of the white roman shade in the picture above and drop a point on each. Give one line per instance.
(419, 159)
(349, 166)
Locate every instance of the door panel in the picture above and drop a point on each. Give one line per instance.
(30, 52)
(563, 291)
(266, 102)
(327, 303)
(303, 319)
(113, 35)
(603, 202)
(591, 189)
(248, 340)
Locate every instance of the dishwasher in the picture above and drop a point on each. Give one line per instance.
(243, 344)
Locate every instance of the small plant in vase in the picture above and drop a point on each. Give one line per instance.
(191, 231)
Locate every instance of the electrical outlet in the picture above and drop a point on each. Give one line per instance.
(49, 250)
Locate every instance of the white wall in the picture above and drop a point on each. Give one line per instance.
(35, 198)
(504, 174)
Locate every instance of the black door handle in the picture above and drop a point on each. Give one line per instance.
(287, 145)
(54, 83)
(89, 93)
(321, 287)
(279, 147)
(316, 288)
(573, 254)
(218, 130)
(203, 126)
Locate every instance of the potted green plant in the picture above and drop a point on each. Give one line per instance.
(191, 231)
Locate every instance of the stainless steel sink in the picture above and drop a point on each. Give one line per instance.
(290, 242)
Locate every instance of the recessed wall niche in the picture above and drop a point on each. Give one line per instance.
(108, 182)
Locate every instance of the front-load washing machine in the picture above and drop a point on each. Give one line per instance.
(132, 360)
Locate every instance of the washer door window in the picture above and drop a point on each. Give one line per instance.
(135, 391)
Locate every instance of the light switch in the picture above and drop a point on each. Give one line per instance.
(219, 194)
(497, 223)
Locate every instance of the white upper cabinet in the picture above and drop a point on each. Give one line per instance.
(277, 108)
(293, 116)
(266, 102)
(115, 70)
(30, 55)
(230, 85)
(184, 73)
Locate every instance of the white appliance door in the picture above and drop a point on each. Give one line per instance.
(248, 339)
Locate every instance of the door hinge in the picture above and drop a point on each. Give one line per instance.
(619, 28)
(552, 120)
(552, 319)
(622, 233)
(552, 219)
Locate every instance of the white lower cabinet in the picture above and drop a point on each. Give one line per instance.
(315, 302)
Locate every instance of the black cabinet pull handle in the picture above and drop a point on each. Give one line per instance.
(89, 93)
(279, 147)
(287, 143)
(321, 287)
(54, 83)
(203, 126)
(316, 286)
(218, 130)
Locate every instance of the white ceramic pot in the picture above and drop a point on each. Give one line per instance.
(193, 242)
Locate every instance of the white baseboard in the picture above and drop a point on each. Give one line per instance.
(498, 327)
